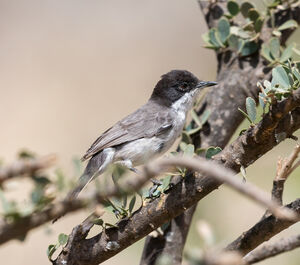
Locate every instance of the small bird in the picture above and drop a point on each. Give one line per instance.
(149, 131)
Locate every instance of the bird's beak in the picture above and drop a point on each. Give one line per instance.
(203, 84)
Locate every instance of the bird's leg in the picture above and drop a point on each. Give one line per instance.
(128, 164)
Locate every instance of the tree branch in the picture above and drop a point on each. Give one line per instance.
(272, 249)
(25, 166)
(262, 231)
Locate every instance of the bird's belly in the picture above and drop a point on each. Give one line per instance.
(142, 150)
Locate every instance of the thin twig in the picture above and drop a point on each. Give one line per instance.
(25, 166)
(262, 231)
(224, 175)
(270, 249)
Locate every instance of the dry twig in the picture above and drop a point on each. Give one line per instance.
(272, 249)
(25, 166)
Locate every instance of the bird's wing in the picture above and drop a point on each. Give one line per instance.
(143, 123)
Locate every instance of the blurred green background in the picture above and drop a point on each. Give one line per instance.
(70, 69)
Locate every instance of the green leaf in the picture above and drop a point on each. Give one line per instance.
(275, 47)
(124, 201)
(204, 117)
(245, 34)
(233, 8)
(182, 146)
(62, 239)
(195, 117)
(245, 7)
(166, 182)
(276, 33)
(233, 42)
(261, 98)
(258, 24)
(266, 53)
(131, 204)
(50, 251)
(214, 38)
(296, 74)
(189, 150)
(98, 221)
(191, 132)
(251, 108)
(287, 53)
(223, 29)
(253, 14)
(211, 151)
(249, 48)
(288, 24)
(245, 115)
(24, 154)
(280, 78)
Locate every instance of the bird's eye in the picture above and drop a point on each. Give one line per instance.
(183, 86)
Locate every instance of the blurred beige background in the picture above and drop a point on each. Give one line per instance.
(70, 69)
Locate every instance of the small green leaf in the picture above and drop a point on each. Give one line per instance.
(223, 29)
(275, 47)
(186, 135)
(245, 115)
(276, 33)
(62, 239)
(261, 98)
(204, 117)
(212, 151)
(189, 150)
(214, 38)
(195, 117)
(24, 154)
(288, 24)
(253, 14)
(124, 201)
(245, 34)
(251, 108)
(199, 151)
(166, 182)
(233, 8)
(182, 146)
(233, 42)
(249, 48)
(287, 53)
(50, 251)
(266, 53)
(245, 7)
(258, 24)
(98, 221)
(131, 204)
(280, 78)
(191, 132)
(296, 74)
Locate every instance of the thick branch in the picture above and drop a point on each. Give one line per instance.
(272, 249)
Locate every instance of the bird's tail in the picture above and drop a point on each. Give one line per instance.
(96, 165)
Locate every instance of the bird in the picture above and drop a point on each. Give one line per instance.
(148, 132)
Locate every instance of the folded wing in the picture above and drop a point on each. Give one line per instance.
(144, 123)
